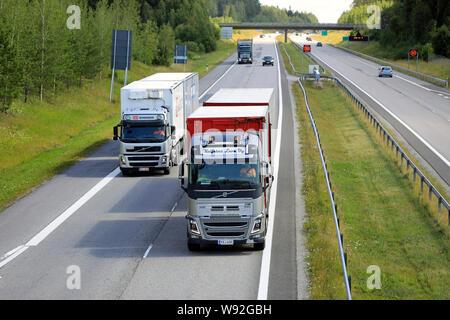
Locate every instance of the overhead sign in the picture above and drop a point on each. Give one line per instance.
(413, 53)
(358, 38)
(121, 49)
(306, 48)
(180, 54)
(227, 32)
(324, 32)
(344, 38)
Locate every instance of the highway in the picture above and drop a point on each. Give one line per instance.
(420, 111)
(125, 237)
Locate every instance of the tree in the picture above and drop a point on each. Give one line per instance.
(166, 45)
(10, 73)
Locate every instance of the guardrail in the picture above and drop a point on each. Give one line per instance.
(340, 237)
(388, 139)
(384, 62)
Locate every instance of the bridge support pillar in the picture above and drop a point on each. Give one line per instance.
(285, 36)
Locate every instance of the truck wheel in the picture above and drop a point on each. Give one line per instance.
(259, 246)
(193, 246)
(167, 170)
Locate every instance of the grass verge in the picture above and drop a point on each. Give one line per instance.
(41, 138)
(383, 222)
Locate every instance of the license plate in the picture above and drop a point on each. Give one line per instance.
(144, 169)
(226, 242)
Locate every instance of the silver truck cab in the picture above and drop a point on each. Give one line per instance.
(228, 190)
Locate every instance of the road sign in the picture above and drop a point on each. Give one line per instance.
(358, 38)
(306, 48)
(324, 32)
(344, 38)
(120, 54)
(121, 49)
(180, 54)
(412, 52)
(227, 32)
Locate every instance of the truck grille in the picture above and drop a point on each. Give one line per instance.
(143, 164)
(225, 226)
(144, 149)
(143, 158)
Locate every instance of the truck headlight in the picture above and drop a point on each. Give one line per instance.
(257, 225)
(164, 160)
(193, 226)
(123, 160)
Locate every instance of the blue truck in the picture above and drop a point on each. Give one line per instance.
(245, 51)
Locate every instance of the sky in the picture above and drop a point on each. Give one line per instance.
(325, 10)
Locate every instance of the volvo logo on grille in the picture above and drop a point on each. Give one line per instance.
(225, 194)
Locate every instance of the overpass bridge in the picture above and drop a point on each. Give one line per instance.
(292, 26)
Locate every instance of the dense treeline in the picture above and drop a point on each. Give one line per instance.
(253, 11)
(40, 54)
(423, 24)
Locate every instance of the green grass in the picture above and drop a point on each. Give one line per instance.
(384, 223)
(41, 138)
(296, 58)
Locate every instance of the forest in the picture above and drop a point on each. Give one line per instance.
(253, 11)
(423, 24)
(41, 54)
(46, 46)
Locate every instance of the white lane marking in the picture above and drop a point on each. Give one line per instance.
(18, 251)
(8, 257)
(265, 262)
(206, 91)
(148, 251)
(72, 209)
(418, 85)
(396, 118)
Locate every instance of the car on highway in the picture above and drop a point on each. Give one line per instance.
(385, 71)
(319, 44)
(267, 60)
(261, 36)
(308, 38)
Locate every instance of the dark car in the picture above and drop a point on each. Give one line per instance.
(267, 60)
(319, 44)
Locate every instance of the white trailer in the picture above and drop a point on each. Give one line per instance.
(153, 121)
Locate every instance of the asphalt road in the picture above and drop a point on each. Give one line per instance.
(125, 237)
(419, 105)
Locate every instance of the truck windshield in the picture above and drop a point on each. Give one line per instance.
(147, 133)
(245, 48)
(224, 176)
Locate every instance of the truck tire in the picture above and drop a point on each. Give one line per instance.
(167, 171)
(259, 246)
(193, 246)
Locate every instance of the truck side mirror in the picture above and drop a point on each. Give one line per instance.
(181, 175)
(115, 133)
